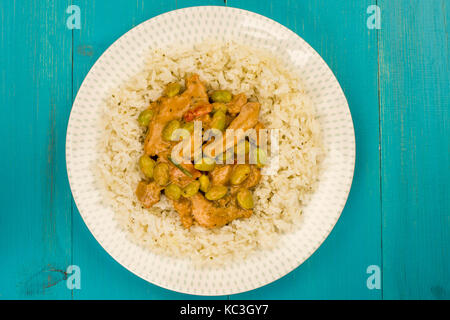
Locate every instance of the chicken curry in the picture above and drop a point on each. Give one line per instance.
(206, 192)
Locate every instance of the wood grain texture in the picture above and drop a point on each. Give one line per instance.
(415, 127)
(35, 97)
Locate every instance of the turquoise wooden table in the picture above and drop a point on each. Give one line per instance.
(391, 58)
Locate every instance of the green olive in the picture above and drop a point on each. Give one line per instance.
(245, 199)
(204, 183)
(147, 164)
(189, 126)
(219, 106)
(161, 173)
(206, 164)
(190, 189)
(173, 89)
(239, 174)
(173, 191)
(169, 129)
(259, 157)
(145, 117)
(243, 147)
(219, 120)
(223, 96)
(216, 192)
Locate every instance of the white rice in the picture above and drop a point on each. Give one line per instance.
(278, 198)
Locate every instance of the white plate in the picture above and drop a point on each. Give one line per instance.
(192, 25)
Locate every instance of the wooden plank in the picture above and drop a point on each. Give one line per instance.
(337, 30)
(415, 126)
(35, 95)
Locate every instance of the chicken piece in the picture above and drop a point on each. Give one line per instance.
(184, 208)
(228, 120)
(235, 105)
(253, 178)
(206, 121)
(221, 174)
(210, 216)
(259, 126)
(225, 201)
(167, 109)
(175, 174)
(148, 194)
(195, 89)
